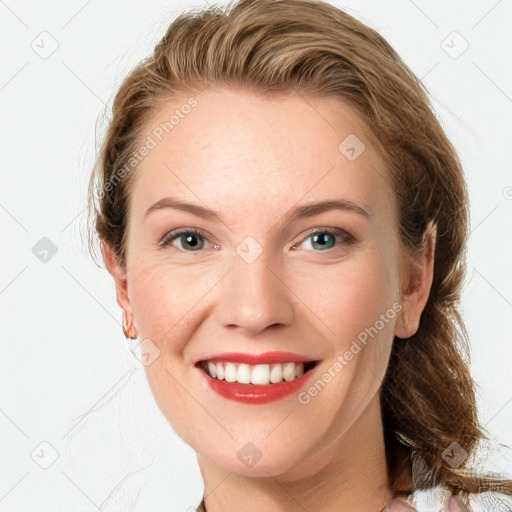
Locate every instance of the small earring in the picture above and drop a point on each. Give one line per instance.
(129, 331)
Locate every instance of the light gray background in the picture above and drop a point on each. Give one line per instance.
(67, 378)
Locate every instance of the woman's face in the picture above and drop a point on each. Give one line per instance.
(263, 275)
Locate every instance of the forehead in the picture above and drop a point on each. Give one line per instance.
(236, 150)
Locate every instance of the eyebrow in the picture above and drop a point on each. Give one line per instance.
(307, 210)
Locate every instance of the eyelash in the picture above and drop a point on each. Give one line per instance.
(340, 235)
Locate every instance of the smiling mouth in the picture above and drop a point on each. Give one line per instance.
(258, 374)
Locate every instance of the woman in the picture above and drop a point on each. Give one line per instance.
(285, 222)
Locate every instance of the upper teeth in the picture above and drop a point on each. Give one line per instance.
(260, 374)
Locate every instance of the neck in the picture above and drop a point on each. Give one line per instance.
(348, 473)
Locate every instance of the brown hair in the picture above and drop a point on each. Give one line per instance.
(311, 47)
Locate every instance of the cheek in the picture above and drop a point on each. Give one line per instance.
(165, 300)
(348, 297)
(152, 302)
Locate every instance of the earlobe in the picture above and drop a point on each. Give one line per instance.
(118, 273)
(419, 284)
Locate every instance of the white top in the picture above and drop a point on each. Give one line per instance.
(432, 500)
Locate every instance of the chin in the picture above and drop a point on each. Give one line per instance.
(260, 458)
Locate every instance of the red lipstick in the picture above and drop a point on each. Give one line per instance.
(253, 393)
(266, 357)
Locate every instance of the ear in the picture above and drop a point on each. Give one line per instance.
(417, 286)
(119, 274)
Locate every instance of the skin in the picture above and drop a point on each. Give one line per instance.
(252, 158)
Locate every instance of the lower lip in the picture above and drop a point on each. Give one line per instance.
(256, 394)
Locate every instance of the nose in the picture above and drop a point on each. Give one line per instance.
(254, 296)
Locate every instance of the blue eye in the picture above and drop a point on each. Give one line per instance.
(322, 239)
(326, 238)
